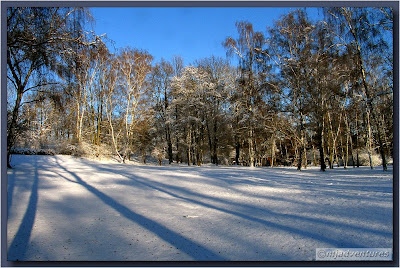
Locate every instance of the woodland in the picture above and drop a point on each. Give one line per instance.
(302, 93)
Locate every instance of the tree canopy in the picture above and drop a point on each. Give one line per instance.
(304, 92)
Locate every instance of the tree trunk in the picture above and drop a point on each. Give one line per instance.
(115, 144)
(348, 140)
(343, 155)
(178, 158)
(314, 157)
(215, 156)
(296, 154)
(20, 87)
(99, 121)
(169, 144)
(189, 142)
(237, 152)
(300, 163)
(320, 140)
(170, 154)
(12, 128)
(330, 149)
(210, 144)
(302, 146)
(382, 147)
(321, 147)
(78, 112)
(251, 147)
(80, 125)
(273, 151)
(167, 128)
(336, 155)
(369, 141)
(143, 156)
(357, 150)
(199, 138)
(370, 106)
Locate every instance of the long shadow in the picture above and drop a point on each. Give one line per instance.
(129, 175)
(318, 185)
(288, 229)
(182, 243)
(162, 187)
(10, 192)
(278, 180)
(20, 243)
(173, 190)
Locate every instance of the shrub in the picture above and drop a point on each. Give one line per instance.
(364, 158)
(70, 149)
(25, 151)
(159, 154)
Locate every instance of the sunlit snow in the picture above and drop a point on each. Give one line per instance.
(65, 208)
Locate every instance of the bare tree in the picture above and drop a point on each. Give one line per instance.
(113, 101)
(358, 31)
(134, 66)
(161, 86)
(289, 47)
(35, 39)
(246, 47)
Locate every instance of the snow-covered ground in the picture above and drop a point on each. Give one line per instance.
(66, 208)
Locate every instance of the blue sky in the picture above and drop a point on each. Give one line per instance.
(192, 32)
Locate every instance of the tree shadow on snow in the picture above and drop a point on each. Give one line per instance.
(189, 247)
(205, 201)
(10, 192)
(182, 194)
(19, 245)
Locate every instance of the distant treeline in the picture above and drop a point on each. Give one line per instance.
(304, 92)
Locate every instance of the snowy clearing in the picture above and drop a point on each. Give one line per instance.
(65, 208)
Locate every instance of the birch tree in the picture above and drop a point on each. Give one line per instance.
(289, 47)
(134, 67)
(246, 47)
(359, 31)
